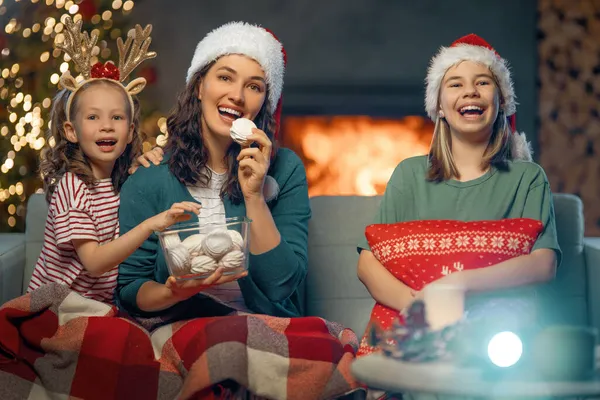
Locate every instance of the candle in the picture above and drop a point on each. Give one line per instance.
(444, 305)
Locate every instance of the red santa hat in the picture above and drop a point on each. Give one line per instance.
(253, 41)
(474, 48)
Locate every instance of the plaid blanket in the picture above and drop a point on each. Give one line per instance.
(56, 344)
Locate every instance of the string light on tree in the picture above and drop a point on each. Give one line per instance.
(29, 74)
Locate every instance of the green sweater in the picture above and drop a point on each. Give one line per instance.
(521, 191)
(273, 284)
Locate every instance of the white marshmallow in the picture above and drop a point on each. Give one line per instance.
(171, 240)
(203, 264)
(194, 243)
(179, 257)
(216, 244)
(237, 239)
(241, 129)
(231, 260)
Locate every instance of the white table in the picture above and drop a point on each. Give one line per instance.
(379, 372)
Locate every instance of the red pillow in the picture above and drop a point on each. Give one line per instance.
(420, 252)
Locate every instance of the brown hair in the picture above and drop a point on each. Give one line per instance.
(60, 155)
(497, 153)
(185, 145)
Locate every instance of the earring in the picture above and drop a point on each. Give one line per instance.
(441, 114)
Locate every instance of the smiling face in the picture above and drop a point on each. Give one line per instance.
(101, 125)
(234, 87)
(470, 100)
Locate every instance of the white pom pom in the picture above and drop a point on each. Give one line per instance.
(520, 147)
(270, 188)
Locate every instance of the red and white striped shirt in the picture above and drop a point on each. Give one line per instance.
(78, 211)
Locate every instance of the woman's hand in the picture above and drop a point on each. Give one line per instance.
(186, 289)
(253, 165)
(153, 156)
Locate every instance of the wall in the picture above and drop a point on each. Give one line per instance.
(569, 107)
(368, 45)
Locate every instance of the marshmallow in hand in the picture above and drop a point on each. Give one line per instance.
(241, 129)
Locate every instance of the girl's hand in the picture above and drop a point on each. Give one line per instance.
(186, 289)
(253, 165)
(153, 156)
(175, 214)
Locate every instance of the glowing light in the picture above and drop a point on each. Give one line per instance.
(505, 349)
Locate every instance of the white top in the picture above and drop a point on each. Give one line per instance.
(442, 378)
(213, 212)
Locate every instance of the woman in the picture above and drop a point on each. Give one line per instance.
(236, 71)
(478, 168)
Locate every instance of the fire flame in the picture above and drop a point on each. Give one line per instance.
(354, 155)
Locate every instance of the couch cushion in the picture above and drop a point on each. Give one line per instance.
(35, 222)
(333, 290)
(12, 259)
(566, 295)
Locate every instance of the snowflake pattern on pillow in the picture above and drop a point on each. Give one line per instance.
(420, 252)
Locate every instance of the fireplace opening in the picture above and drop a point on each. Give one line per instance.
(354, 155)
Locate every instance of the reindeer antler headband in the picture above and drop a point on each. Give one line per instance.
(78, 45)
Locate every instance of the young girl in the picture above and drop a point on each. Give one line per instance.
(478, 168)
(92, 142)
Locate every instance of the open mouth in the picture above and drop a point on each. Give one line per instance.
(471, 110)
(230, 113)
(106, 143)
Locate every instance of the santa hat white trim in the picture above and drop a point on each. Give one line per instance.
(449, 56)
(247, 39)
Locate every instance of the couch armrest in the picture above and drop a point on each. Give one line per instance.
(12, 265)
(591, 249)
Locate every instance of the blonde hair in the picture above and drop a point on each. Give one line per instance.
(497, 153)
(60, 155)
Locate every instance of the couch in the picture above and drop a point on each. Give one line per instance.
(332, 289)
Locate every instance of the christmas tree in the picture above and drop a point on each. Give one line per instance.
(30, 69)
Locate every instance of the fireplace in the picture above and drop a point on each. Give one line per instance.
(354, 155)
(350, 138)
